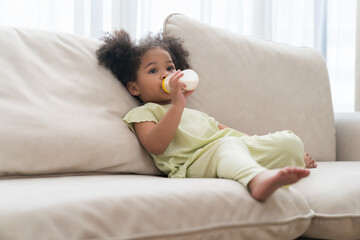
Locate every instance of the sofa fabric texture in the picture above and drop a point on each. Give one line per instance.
(333, 193)
(347, 136)
(71, 169)
(145, 207)
(60, 110)
(263, 104)
(242, 83)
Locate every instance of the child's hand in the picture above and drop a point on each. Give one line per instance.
(176, 89)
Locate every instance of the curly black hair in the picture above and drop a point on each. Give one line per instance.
(123, 56)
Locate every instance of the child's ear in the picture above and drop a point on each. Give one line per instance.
(131, 86)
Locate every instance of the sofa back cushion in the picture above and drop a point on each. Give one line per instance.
(257, 86)
(60, 111)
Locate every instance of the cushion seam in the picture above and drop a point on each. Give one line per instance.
(334, 216)
(308, 216)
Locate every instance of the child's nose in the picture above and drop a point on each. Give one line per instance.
(165, 74)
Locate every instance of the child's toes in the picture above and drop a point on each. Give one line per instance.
(313, 164)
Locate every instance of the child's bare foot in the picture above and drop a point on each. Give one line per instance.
(267, 182)
(309, 161)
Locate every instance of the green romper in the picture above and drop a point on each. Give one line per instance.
(201, 150)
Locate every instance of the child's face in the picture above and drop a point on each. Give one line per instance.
(156, 64)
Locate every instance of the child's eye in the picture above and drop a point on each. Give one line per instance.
(170, 68)
(152, 71)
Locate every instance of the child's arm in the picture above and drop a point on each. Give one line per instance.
(155, 137)
(222, 126)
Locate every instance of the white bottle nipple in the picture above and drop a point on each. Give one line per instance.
(190, 78)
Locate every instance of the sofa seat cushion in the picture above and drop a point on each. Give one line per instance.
(138, 207)
(333, 192)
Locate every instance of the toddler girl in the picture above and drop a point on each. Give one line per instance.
(188, 143)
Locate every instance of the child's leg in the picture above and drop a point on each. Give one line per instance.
(229, 158)
(276, 150)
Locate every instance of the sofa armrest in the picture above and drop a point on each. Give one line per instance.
(347, 136)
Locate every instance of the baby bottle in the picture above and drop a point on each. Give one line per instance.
(190, 78)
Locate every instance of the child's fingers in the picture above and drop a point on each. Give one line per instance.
(177, 76)
(188, 93)
(178, 88)
(174, 81)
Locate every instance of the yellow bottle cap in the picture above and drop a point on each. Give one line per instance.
(163, 86)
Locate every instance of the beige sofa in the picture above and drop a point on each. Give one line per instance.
(71, 169)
